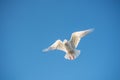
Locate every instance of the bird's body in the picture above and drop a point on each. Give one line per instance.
(69, 46)
(70, 51)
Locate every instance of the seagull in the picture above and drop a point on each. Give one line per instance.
(69, 46)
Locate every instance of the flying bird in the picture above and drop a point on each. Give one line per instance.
(69, 46)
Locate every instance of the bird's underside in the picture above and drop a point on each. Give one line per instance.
(69, 47)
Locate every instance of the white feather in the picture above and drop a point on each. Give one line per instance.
(69, 47)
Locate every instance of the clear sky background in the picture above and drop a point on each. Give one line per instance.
(28, 26)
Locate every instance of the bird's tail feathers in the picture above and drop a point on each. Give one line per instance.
(72, 56)
(77, 53)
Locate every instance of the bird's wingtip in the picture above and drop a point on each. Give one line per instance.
(44, 50)
(92, 29)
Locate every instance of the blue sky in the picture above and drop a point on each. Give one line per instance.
(28, 26)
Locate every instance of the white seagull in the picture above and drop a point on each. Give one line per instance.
(69, 47)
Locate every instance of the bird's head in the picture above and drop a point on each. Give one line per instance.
(65, 41)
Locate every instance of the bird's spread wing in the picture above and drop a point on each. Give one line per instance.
(76, 36)
(58, 45)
